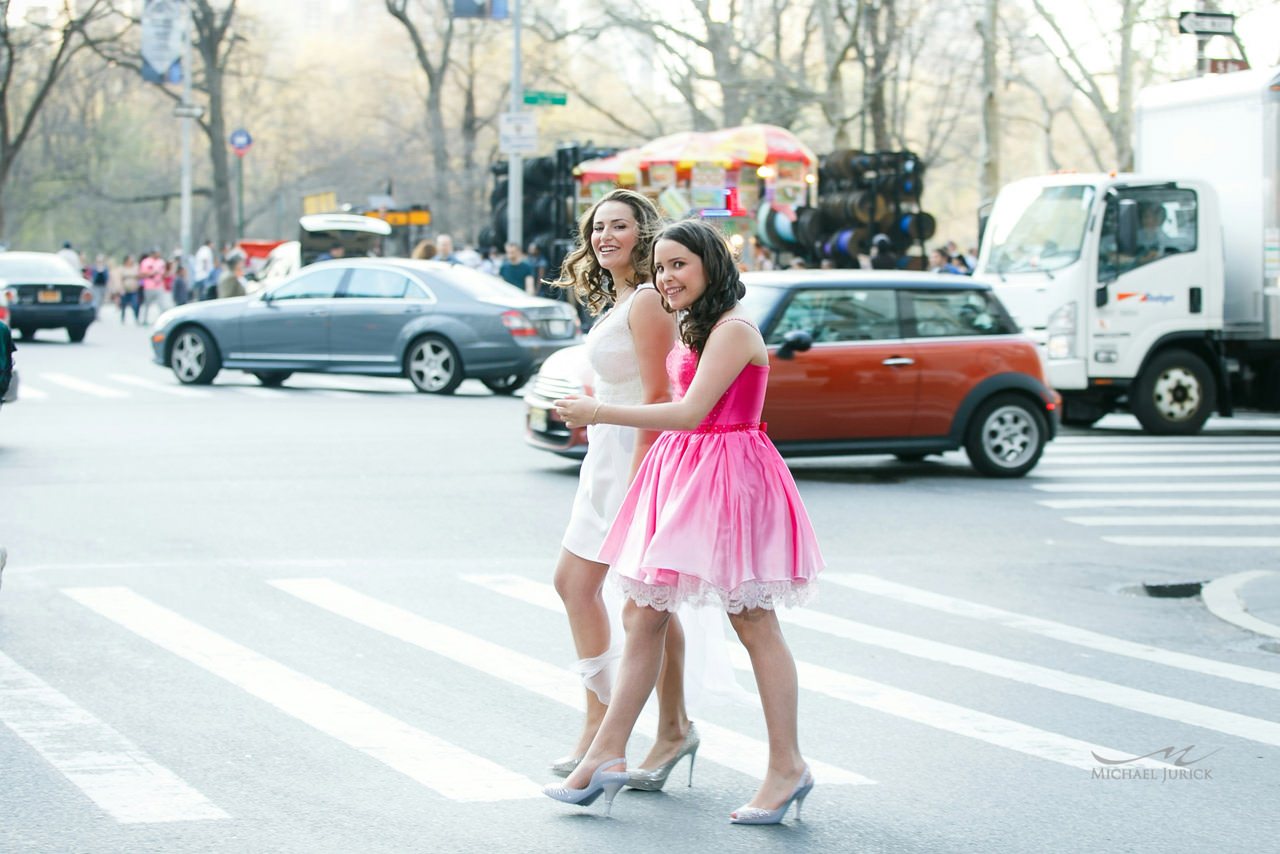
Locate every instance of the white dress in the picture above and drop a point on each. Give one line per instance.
(602, 485)
(606, 470)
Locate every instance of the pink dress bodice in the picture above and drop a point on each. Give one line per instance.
(740, 405)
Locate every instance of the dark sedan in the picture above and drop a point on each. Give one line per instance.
(432, 322)
(42, 291)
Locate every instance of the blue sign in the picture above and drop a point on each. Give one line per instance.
(240, 140)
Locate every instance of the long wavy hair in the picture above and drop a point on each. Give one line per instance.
(724, 284)
(581, 271)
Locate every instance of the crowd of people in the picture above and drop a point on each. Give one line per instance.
(143, 286)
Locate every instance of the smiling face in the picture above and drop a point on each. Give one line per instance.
(678, 273)
(613, 238)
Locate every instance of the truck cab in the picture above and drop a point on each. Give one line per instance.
(1157, 291)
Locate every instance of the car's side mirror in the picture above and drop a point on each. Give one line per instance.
(795, 341)
(1100, 296)
(1127, 228)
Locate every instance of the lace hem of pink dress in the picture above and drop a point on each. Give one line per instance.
(697, 592)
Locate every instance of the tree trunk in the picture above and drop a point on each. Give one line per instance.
(989, 180)
(439, 156)
(1122, 120)
(216, 128)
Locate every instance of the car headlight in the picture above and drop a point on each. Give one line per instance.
(1061, 329)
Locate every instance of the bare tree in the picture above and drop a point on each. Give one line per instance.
(214, 40)
(33, 56)
(1109, 89)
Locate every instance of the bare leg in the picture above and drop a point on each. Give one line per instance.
(579, 581)
(775, 672)
(641, 661)
(673, 720)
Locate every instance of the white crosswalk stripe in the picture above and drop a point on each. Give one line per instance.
(948, 717)
(84, 386)
(1183, 471)
(112, 771)
(26, 391)
(435, 763)
(162, 388)
(723, 746)
(1051, 629)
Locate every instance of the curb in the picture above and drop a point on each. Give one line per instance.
(1221, 596)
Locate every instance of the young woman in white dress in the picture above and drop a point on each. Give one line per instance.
(610, 271)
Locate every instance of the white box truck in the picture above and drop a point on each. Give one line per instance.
(1157, 291)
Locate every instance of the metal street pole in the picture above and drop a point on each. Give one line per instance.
(515, 163)
(240, 197)
(185, 206)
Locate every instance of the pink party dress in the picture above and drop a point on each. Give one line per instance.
(713, 514)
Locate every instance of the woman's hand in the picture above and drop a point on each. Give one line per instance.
(576, 411)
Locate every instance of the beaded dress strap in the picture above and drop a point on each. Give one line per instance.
(725, 320)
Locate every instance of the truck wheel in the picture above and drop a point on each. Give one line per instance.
(1175, 395)
(1005, 437)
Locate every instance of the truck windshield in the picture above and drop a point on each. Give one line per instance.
(1038, 228)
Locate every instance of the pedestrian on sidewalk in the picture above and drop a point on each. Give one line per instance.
(155, 293)
(130, 290)
(713, 515)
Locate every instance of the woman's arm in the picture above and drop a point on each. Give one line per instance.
(654, 332)
(728, 351)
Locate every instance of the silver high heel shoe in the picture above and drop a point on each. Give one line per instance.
(652, 781)
(602, 782)
(757, 815)
(566, 766)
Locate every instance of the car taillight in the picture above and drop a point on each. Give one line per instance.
(86, 295)
(4, 313)
(517, 324)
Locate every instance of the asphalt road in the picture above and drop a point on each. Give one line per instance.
(318, 618)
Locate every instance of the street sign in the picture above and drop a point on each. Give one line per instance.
(518, 133)
(1207, 23)
(545, 99)
(188, 111)
(240, 141)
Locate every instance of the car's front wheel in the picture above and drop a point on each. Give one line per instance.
(1006, 436)
(193, 357)
(508, 384)
(433, 365)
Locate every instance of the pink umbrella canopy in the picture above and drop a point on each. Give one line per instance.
(621, 168)
(760, 144)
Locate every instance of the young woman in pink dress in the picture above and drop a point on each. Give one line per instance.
(712, 515)
(610, 271)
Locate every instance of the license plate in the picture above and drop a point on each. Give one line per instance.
(49, 296)
(538, 420)
(559, 328)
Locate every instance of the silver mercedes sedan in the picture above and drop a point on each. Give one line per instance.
(432, 322)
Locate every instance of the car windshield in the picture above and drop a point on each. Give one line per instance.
(34, 268)
(759, 300)
(1035, 228)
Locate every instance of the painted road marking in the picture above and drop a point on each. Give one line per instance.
(1052, 629)
(77, 384)
(435, 763)
(1157, 459)
(1149, 486)
(117, 776)
(722, 746)
(1178, 472)
(163, 388)
(1137, 503)
(1200, 521)
(1198, 542)
(938, 714)
(1073, 684)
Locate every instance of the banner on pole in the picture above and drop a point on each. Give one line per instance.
(162, 34)
(495, 9)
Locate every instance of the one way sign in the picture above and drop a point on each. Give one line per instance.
(1207, 23)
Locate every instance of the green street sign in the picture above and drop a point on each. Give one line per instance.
(545, 99)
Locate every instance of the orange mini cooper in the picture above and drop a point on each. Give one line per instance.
(901, 363)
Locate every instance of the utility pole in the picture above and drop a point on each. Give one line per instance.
(185, 206)
(515, 161)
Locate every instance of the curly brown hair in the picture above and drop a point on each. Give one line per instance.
(581, 271)
(724, 284)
